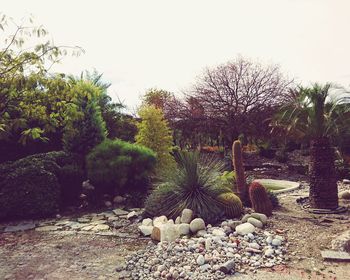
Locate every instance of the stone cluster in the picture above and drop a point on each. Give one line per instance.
(189, 249)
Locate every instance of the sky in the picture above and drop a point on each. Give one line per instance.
(166, 44)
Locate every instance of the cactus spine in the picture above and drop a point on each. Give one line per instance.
(232, 204)
(237, 160)
(261, 203)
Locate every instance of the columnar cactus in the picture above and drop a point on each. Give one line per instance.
(261, 203)
(232, 204)
(237, 160)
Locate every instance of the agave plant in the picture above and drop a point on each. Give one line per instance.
(194, 185)
(315, 115)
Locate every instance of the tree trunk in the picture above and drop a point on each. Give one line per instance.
(323, 184)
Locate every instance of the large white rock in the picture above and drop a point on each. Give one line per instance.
(255, 222)
(158, 221)
(245, 228)
(197, 224)
(178, 220)
(218, 232)
(146, 230)
(183, 229)
(186, 216)
(147, 222)
(168, 232)
(261, 217)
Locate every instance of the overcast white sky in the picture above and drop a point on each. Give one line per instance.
(166, 44)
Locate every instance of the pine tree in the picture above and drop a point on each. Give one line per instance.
(154, 133)
(84, 133)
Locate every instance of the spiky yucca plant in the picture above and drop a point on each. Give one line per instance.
(194, 185)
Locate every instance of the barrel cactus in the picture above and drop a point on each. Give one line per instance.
(232, 204)
(237, 160)
(261, 203)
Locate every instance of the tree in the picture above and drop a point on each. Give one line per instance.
(118, 124)
(318, 116)
(33, 103)
(154, 133)
(238, 93)
(84, 132)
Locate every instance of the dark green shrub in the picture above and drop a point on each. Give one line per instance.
(265, 150)
(194, 185)
(273, 198)
(28, 191)
(119, 167)
(281, 155)
(70, 177)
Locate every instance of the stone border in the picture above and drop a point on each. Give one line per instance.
(297, 185)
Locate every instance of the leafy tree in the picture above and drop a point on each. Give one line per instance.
(157, 98)
(33, 103)
(154, 133)
(84, 132)
(318, 116)
(119, 124)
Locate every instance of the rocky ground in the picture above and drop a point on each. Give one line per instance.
(100, 246)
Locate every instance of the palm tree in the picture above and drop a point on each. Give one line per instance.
(320, 117)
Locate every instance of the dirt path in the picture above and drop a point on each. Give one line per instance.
(47, 255)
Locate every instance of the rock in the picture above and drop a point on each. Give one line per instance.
(218, 232)
(87, 228)
(120, 212)
(147, 222)
(269, 252)
(197, 224)
(342, 242)
(87, 186)
(245, 218)
(131, 215)
(255, 222)
(269, 240)
(48, 228)
(245, 228)
(227, 267)
(335, 256)
(200, 260)
(20, 227)
(344, 195)
(155, 235)
(186, 216)
(261, 217)
(118, 199)
(108, 204)
(101, 227)
(146, 230)
(207, 244)
(158, 221)
(178, 220)
(168, 232)
(346, 181)
(254, 245)
(276, 242)
(201, 233)
(183, 229)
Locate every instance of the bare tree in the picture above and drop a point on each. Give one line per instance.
(240, 95)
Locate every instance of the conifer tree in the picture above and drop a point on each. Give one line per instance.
(154, 133)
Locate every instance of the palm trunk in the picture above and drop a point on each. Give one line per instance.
(323, 184)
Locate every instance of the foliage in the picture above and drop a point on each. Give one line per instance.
(228, 180)
(119, 167)
(157, 98)
(86, 131)
(259, 199)
(194, 185)
(281, 155)
(232, 204)
(33, 104)
(154, 133)
(237, 160)
(315, 113)
(29, 188)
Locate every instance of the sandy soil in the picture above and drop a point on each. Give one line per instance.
(47, 255)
